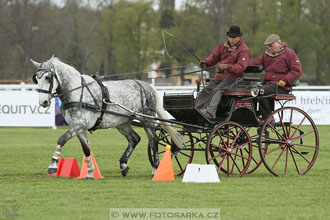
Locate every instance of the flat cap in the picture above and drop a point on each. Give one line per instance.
(272, 39)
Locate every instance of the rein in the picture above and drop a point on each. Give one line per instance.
(53, 75)
(94, 107)
(147, 71)
(71, 90)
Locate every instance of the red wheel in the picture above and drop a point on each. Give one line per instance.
(181, 156)
(229, 147)
(290, 144)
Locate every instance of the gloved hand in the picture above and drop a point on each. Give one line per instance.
(281, 83)
(222, 67)
(202, 65)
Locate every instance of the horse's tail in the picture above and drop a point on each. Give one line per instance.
(176, 137)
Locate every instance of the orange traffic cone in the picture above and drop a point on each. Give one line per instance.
(59, 167)
(70, 168)
(84, 170)
(165, 170)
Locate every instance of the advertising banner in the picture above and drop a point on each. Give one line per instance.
(315, 103)
(21, 108)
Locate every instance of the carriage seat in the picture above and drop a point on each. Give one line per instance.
(254, 69)
(249, 69)
(242, 86)
(289, 96)
(284, 97)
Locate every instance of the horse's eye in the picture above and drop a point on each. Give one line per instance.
(47, 78)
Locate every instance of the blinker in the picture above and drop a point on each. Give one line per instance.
(40, 73)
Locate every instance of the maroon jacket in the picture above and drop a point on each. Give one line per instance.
(285, 66)
(237, 60)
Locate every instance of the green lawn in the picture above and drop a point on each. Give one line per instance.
(26, 153)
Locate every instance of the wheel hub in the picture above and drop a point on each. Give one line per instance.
(229, 150)
(289, 143)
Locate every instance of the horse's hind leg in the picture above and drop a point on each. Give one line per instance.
(52, 169)
(152, 143)
(89, 161)
(133, 139)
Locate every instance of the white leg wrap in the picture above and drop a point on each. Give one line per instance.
(90, 167)
(53, 164)
(123, 166)
(57, 153)
(56, 157)
(90, 164)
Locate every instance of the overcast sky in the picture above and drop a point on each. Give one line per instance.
(178, 3)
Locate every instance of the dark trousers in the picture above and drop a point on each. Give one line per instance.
(210, 97)
(267, 104)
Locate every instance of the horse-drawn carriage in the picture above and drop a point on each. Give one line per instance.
(238, 141)
(287, 141)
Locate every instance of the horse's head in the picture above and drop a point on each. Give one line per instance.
(46, 79)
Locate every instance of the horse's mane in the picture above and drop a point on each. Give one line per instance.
(63, 67)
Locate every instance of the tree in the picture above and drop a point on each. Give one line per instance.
(192, 29)
(167, 14)
(133, 28)
(23, 18)
(80, 30)
(319, 15)
(220, 14)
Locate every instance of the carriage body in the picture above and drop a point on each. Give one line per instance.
(237, 141)
(236, 105)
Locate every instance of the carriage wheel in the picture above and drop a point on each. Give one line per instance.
(291, 141)
(181, 157)
(229, 147)
(255, 159)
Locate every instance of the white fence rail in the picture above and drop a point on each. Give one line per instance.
(32, 87)
(315, 100)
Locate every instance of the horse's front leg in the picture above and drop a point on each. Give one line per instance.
(89, 160)
(52, 168)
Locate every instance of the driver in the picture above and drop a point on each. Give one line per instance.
(234, 57)
(282, 66)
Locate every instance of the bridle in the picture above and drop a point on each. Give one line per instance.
(41, 71)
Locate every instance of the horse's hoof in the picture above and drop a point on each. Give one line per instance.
(125, 171)
(51, 171)
(89, 178)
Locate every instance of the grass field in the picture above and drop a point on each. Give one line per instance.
(26, 153)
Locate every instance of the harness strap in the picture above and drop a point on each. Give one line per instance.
(94, 108)
(83, 82)
(105, 98)
(143, 91)
(88, 106)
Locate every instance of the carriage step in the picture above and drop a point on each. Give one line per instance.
(303, 153)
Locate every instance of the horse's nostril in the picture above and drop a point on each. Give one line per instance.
(45, 103)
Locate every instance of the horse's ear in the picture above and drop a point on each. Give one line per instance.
(36, 64)
(51, 59)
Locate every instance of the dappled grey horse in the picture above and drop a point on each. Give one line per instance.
(89, 103)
